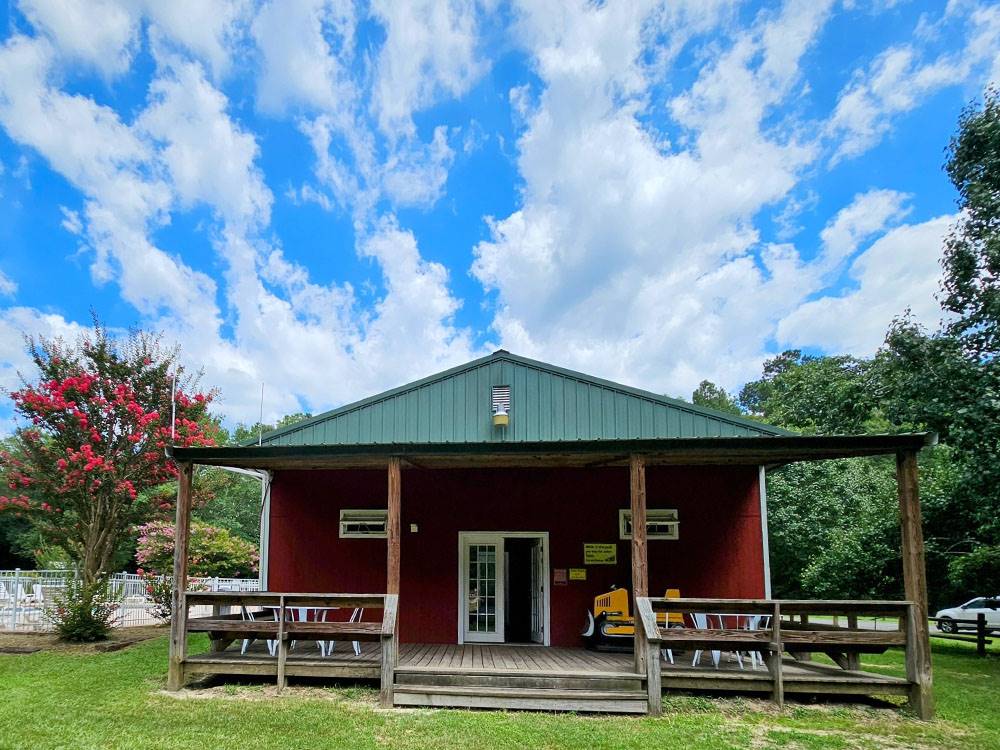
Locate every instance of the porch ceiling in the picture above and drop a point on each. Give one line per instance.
(750, 451)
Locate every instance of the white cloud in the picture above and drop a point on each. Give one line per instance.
(100, 33)
(416, 175)
(356, 106)
(183, 150)
(429, 53)
(15, 323)
(899, 271)
(8, 287)
(633, 252)
(89, 145)
(903, 76)
(184, 113)
(105, 34)
(868, 214)
(631, 256)
(301, 44)
(210, 30)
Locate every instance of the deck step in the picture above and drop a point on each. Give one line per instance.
(522, 679)
(530, 699)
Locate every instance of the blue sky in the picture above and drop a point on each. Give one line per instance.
(331, 198)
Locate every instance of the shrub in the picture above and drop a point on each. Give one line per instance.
(212, 551)
(84, 612)
(160, 591)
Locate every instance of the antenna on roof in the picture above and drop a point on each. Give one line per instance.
(173, 406)
(260, 422)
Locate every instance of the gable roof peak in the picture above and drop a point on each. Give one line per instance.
(550, 403)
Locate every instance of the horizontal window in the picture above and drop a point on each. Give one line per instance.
(356, 524)
(661, 523)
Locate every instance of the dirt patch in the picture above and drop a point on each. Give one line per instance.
(26, 643)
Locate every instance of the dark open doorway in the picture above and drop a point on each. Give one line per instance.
(519, 591)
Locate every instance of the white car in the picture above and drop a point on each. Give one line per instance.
(989, 606)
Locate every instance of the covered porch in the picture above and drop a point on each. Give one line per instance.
(508, 676)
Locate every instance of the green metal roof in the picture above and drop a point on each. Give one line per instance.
(547, 404)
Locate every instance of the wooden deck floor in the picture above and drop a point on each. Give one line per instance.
(505, 659)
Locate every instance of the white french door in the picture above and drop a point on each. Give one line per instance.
(483, 582)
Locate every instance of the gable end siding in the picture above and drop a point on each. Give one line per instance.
(547, 404)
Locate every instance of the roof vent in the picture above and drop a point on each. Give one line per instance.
(501, 405)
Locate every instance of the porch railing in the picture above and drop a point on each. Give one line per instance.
(271, 620)
(787, 629)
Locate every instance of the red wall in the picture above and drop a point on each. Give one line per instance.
(719, 552)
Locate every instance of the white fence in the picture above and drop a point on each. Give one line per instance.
(25, 595)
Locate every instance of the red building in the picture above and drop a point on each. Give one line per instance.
(545, 527)
(487, 506)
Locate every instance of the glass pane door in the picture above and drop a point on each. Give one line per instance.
(483, 571)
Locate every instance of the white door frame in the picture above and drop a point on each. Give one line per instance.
(492, 536)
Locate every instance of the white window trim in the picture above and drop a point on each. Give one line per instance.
(465, 537)
(666, 515)
(361, 514)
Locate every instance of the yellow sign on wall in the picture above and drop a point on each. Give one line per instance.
(578, 574)
(600, 554)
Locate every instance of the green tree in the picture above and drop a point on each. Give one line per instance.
(248, 433)
(227, 499)
(977, 571)
(212, 551)
(222, 498)
(834, 524)
(812, 394)
(971, 283)
(715, 397)
(99, 416)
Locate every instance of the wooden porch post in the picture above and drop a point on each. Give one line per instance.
(178, 606)
(918, 647)
(640, 573)
(392, 528)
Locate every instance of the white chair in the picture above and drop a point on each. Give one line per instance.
(321, 617)
(272, 646)
(701, 622)
(715, 622)
(302, 613)
(36, 594)
(757, 622)
(4, 596)
(356, 616)
(668, 654)
(22, 595)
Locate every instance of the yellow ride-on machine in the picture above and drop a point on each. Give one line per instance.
(610, 627)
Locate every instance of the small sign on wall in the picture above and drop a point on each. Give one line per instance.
(559, 576)
(600, 554)
(578, 574)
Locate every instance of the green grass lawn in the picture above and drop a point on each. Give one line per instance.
(66, 699)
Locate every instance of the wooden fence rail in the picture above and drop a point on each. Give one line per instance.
(979, 637)
(780, 632)
(272, 620)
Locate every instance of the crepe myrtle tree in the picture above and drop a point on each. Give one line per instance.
(97, 418)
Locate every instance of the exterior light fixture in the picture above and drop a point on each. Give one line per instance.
(500, 403)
